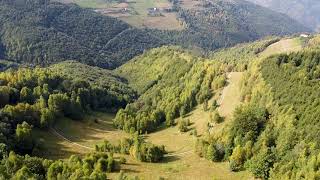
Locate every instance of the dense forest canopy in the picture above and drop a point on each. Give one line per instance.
(53, 32)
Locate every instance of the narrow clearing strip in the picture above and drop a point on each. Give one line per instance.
(68, 140)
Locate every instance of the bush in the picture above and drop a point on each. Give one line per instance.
(237, 159)
(249, 121)
(183, 125)
(122, 160)
(215, 117)
(214, 105)
(261, 164)
(214, 153)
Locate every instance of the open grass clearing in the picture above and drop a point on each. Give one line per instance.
(283, 46)
(181, 162)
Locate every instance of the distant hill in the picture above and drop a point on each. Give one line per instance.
(54, 32)
(305, 11)
(221, 23)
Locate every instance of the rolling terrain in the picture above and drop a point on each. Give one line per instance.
(69, 137)
(84, 95)
(53, 30)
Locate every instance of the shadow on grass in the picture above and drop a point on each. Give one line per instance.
(169, 158)
(126, 170)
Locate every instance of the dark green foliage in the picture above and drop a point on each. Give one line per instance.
(261, 164)
(219, 23)
(212, 151)
(91, 166)
(37, 97)
(249, 121)
(53, 30)
(4, 65)
(23, 137)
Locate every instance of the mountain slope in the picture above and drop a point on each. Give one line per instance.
(228, 22)
(54, 32)
(170, 82)
(305, 11)
(286, 86)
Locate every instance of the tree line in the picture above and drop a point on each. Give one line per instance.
(91, 166)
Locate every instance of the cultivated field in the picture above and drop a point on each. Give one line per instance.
(135, 12)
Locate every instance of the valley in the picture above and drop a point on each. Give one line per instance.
(157, 89)
(71, 137)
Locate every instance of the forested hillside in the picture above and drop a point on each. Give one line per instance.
(38, 97)
(175, 82)
(274, 133)
(305, 11)
(54, 32)
(288, 141)
(220, 23)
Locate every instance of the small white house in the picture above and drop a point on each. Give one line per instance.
(304, 35)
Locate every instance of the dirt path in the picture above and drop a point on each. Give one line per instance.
(58, 134)
(230, 97)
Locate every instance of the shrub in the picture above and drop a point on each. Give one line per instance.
(183, 125)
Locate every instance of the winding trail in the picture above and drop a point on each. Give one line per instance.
(55, 132)
(60, 135)
(231, 95)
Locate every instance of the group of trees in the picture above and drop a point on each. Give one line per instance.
(35, 98)
(136, 147)
(91, 166)
(175, 83)
(248, 123)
